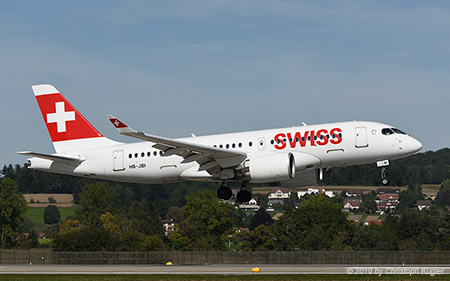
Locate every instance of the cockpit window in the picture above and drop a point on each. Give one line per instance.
(390, 131)
(387, 131)
(398, 131)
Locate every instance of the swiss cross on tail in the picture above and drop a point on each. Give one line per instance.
(60, 117)
(63, 121)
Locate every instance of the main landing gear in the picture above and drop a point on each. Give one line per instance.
(225, 193)
(244, 195)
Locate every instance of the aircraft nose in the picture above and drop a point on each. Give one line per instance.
(414, 145)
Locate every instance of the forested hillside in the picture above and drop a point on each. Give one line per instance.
(124, 217)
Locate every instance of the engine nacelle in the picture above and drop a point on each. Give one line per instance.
(272, 167)
(305, 161)
(307, 178)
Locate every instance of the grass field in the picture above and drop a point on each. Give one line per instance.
(36, 215)
(117, 277)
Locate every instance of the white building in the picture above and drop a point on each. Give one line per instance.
(251, 205)
(315, 191)
(277, 196)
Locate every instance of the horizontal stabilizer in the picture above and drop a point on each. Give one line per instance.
(53, 157)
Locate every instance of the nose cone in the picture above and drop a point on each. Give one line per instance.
(413, 145)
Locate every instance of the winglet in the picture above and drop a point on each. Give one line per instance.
(120, 126)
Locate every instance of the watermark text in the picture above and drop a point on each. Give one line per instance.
(432, 271)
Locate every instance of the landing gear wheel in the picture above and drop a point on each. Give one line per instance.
(385, 181)
(224, 193)
(244, 196)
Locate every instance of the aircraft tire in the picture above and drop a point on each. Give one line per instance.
(244, 196)
(224, 193)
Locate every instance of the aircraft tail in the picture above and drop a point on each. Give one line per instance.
(68, 129)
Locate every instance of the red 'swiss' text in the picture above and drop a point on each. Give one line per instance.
(312, 138)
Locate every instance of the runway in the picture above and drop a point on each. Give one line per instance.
(222, 269)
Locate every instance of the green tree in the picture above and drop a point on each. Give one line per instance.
(13, 208)
(51, 214)
(143, 218)
(314, 225)
(206, 221)
(96, 199)
(260, 239)
(261, 217)
(407, 199)
(443, 196)
(87, 238)
(368, 204)
(174, 214)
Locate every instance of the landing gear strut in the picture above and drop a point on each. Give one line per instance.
(384, 179)
(224, 192)
(244, 195)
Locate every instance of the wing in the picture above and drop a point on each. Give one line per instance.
(211, 159)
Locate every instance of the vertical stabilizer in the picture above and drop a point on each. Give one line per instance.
(68, 129)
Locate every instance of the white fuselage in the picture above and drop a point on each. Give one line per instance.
(322, 146)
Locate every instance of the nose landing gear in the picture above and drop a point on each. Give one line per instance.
(384, 180)
(383, 164)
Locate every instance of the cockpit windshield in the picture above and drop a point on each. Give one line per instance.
(390, 131)
(398, 131)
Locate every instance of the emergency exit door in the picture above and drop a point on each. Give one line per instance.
(361, 137)
(118, 161)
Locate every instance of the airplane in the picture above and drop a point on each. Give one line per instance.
(291, 156)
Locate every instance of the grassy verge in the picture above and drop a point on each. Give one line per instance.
(36, 215)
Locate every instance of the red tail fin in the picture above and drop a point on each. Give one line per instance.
(64, 122)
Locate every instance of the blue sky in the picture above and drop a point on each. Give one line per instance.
(175, 67)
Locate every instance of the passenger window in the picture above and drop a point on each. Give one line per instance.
(240, 145)
(155, 153)
(250, 144)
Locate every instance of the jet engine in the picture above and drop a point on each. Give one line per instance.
(271, 167)
(307, 178)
